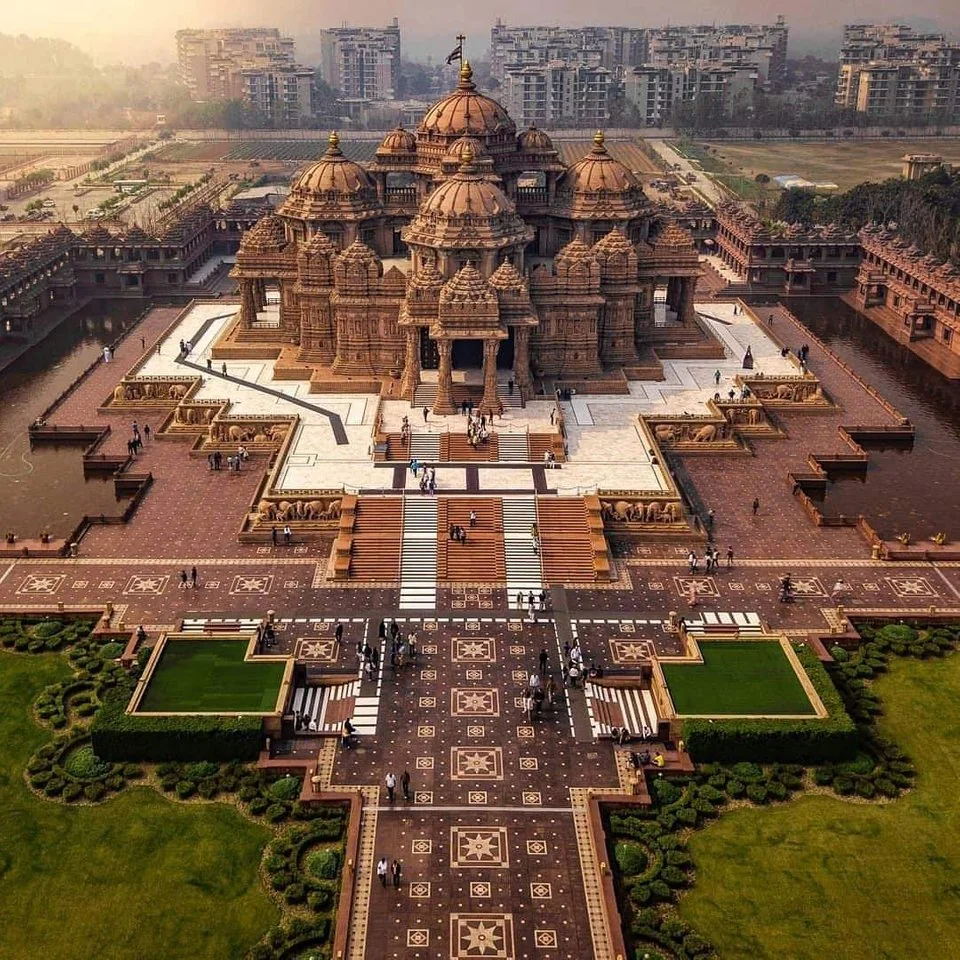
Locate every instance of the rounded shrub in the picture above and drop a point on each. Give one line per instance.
(111, 650)
(666, 792)
(72, 791)
(320, 900)
(281, 880)
(839, 653)
(843, 784)
(747, 772)
(81, 763)
(287, 788)
(897, 633)
(757, 793)
(201, 770)
(185, 788)
(169, 782)
(257, 805)
(275, 812)
(94, 791)
(696, 945)
(688, 816)
(673, 876)
(631, 857)
(114, 782)
(54, 787)
(295, 893)
(132, 771)
(641, 894)
(735, 789)
(207, 789)
(324, 864)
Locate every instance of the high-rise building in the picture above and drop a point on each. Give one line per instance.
(657, 91)
(256, 65)
(363, 63)
(558, 92)
(888, 70)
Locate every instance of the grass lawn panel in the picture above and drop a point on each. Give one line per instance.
(137, 876)
(211, 676)
(749, 678)
(821, 877)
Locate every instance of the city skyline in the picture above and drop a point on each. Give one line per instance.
(144, 34)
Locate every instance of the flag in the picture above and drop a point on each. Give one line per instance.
(457, 53)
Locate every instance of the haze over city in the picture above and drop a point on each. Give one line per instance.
(116, 30)
(479, 481)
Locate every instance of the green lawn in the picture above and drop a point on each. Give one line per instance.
(821, 877)
(210, 676)
(749, 677)
(138, 876)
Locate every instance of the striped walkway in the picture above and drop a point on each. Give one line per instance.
(747, 624)
(634, 705)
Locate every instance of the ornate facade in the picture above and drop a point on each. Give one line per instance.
(921, 291)
(502, 257)
(777, 257)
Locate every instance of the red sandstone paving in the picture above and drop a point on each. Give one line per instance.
(81, 406)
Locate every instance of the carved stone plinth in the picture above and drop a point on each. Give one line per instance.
(444, 404)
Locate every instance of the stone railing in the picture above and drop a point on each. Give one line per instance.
(132, 393)
(707, 433)
(784, 391)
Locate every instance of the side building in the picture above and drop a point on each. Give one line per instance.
(362, 63)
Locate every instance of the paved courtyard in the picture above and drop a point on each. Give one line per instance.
(494, 839)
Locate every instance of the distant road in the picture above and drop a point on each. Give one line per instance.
(704, 184)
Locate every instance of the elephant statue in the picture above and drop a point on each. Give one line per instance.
(278, 431)
(814, 396)
(119, 393)
(267, 510)
(753, 416)
(665, 433)
(333, 510)
(705, 434)
(176, 391)
(238, 434)
(283, 510)
(208, 414)
(671, 513)
(653, 511)
(606, 509)
(785, 392)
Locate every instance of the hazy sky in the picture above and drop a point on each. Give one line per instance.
(133, 30)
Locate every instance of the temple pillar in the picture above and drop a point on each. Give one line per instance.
(248, 303)
(411, 364)
(444, 404)
(488, 404)
(521, 360)
(685, 309)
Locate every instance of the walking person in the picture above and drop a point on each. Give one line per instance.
(405, 784)
(273, 535)
(397, 871)
(543, 660)
(391, 782)
(382, 870)
(287, 534)
(193, 577)
(756, 505)
(716, 377)
(426, 413)
(692, 561)
(146, 431)
(473, 518)
(183, 579)
(729, 557)
(338, 632)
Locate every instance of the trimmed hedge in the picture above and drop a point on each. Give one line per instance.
(117, 735)
(833, 738)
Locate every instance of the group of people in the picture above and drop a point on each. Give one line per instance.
(189, 580)
(385, 869)
(234, 462)
(403, 649)
(287, 533)
(135, 443)
(711, 559)
(540, 690)
(477, 431)
(532, 602)
(426, 475)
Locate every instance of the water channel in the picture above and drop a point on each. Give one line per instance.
(914, 489)
(906, 489)
(45, 488)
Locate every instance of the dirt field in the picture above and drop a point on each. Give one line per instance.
(843, 162)
(627, 153)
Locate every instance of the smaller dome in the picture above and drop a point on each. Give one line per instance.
(507, 277)
(467, 286)
(428, 277)
(467, 193)
(358, 252)
(599, 172)
(576, 251)
(266, 236)
(534, 140)
(320, 245)
(613, 243)
(333, 173)
(459, 151)
(136, 235)
(672, 235)
(398, 141)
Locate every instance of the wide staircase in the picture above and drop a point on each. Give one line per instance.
(418, 557)
(512, 447)
(424, 447)
(482, 557)
(571, 552)
(523, 569)
(619, 706)
(374, 538)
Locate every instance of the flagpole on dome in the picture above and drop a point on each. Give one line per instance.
(457, 53)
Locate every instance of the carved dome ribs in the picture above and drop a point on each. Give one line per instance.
(600, 187)
(465, 112)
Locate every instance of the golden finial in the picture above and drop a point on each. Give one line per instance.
(598, 142)
(334, 143)
(466, 72)
(467, 155)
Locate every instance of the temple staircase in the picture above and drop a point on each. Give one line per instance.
(418, 554)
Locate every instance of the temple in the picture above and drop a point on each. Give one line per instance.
(464, 245)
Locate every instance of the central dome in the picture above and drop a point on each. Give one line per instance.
(467, 113)
(467, 194)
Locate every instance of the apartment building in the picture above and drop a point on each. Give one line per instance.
(761, 48)
(255, 65)
(514, 48)
(657, 91)
(363, 63)
(558, 93)
(888, 70)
